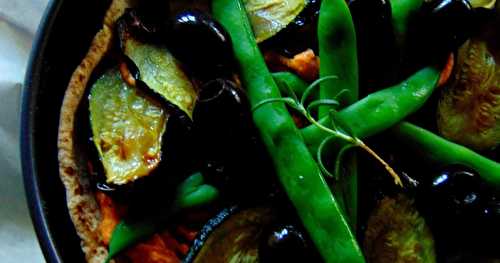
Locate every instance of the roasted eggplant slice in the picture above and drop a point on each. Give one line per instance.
(469, 110)
(250, 235)
(127, 128)
(236, 239)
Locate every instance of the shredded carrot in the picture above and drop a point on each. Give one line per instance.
(447, 70)
(110, 216)
(155, 250)
(170, 240)
(173, 244)
(304, 64)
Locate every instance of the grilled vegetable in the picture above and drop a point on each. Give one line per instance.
(469, 110)
(397, 233)
(158, 69)
(236, 239)
(127, 128)
(258, 234)
(268, 17)
(298, 172)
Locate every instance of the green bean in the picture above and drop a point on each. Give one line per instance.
(402, 13)
(295, 166)
(292, 81)
(338, 53)
(441, 151)
(193, 192)
(190, 193)
(337, 50)
(382, 109)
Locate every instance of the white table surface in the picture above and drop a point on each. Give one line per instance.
(18, 23)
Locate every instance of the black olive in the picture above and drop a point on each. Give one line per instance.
(489, 223)
(440, 28)
(377, 52)
(222, 114)
(457, 191)
(284, 243)
(223, 127)
(492, 207)
(462, 211)
(201, 43)
(450, 20)
(233, 157)
(177, 142)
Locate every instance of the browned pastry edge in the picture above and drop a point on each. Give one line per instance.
(81, 202)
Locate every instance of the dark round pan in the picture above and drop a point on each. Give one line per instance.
(63, 38)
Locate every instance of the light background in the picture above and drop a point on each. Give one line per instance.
(18, 23)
